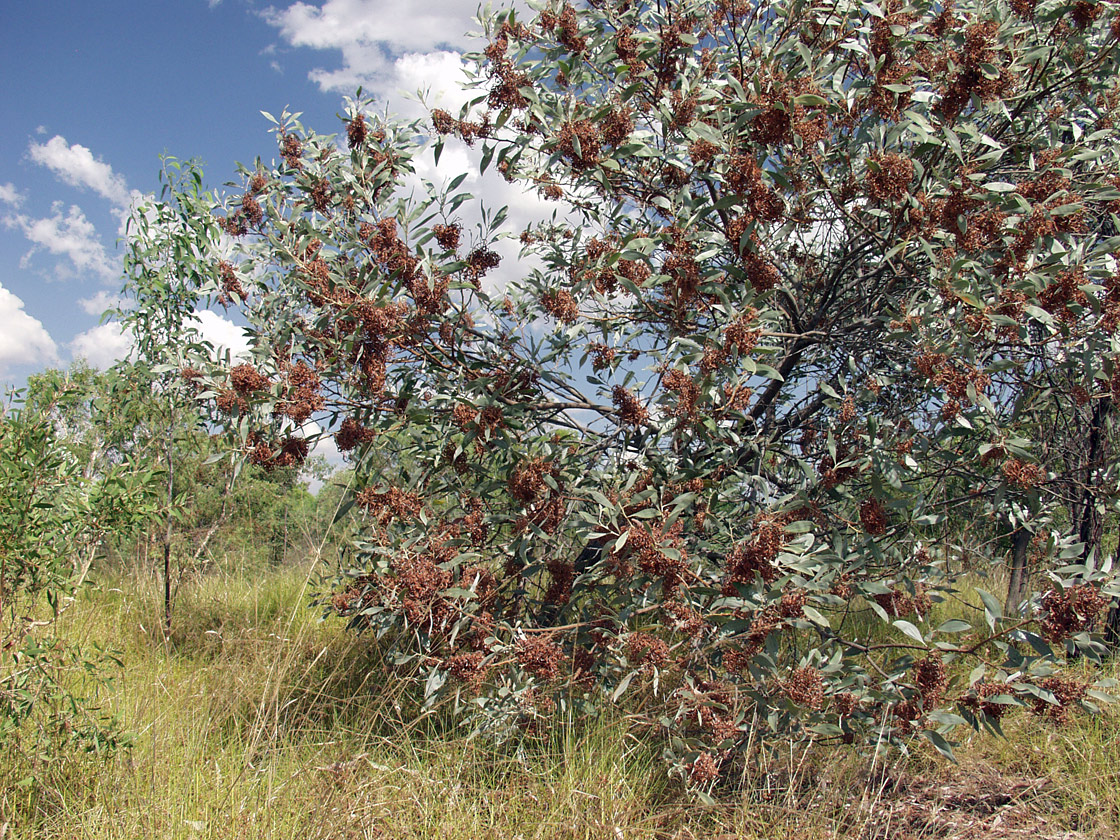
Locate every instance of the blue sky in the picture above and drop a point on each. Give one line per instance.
(95, 92)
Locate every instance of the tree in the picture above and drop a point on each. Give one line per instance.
(166, 274)
(764, 374)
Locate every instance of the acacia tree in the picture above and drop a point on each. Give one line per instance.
(769, 373)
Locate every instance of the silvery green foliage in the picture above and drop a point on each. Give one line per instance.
(826, 313)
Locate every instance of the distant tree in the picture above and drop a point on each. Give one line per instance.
(772, 368)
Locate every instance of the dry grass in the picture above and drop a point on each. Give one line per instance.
(259, 721)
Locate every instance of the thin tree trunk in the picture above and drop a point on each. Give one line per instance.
(1091, 524)
(167, 589)
(1017, 585)
(167, 533)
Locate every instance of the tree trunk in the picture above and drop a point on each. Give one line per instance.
(170, 455)
(1017, 585)
(167, 589)
(1091, 524)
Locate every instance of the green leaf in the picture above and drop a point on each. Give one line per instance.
(938, 741)
(815, 617)
(910, 630)
(622, 686)
(954, 625)
(992, 607)
(811, 99)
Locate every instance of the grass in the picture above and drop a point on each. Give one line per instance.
(256, 720)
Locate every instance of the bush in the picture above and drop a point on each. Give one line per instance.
(58, 503)
(829, 297)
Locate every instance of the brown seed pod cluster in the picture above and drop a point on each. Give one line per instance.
(302, 397)
(526, 481)
(805, 687)
(467, 668)
(1022, 474)
(647, 651)
(230, 284)
(704, 770)
(580, 143)
(900, 603)
(685, 620)
(744, 176)
(356, 131)
(618, 125)
(387, 505)
(756, 556)
(873, 517)
(448, 236)
(479, 263)
(931, 679)
(889, 176)
(246, 379)
(974, 76)
(291, 149)
(979, 699)
(540, 656)
(1068, 611)
(644, 546)
(352, 434)
(631, 412)
(562, 574)
(1065, 291)
(687, 391)
(561, 305)
(1067, 691)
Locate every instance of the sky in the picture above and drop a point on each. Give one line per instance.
(95, 92)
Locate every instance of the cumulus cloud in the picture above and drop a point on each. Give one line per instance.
(222, 333)
(437, 76)
(105, 344)
(102, 346)
(75, 165)
(71, 235)
(23, 339)
(98, 303)
(10, 195)
(380, 41)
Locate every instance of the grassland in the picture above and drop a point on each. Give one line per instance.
(258, 720)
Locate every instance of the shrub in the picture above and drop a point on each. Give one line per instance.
(824, 285)
(58, 503)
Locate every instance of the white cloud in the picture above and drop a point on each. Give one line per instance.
(23, 339)
(101, 301)
(10, 195)
(75, 165)
(222, 333)
(324, 446)
(438, 76)
(72, 236)
(102, 346)
(372, 34)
